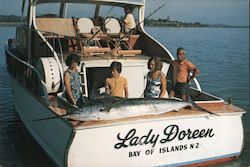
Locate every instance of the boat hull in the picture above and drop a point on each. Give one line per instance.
(157, 142)
(173, 141)
(53, 135)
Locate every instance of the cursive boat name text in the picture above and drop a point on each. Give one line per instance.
(170, 133)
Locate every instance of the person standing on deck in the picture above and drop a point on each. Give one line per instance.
(128, 22)
(183, 68)
(117, 85)
(72, 81)
(156, 80)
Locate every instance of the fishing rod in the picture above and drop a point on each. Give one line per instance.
(105, 23)
(152, 13)
(78, 35)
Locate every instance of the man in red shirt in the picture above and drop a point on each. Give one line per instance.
(183, 68)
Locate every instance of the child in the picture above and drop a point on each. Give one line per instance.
(117, 85)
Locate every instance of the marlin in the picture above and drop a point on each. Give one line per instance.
(117, 108)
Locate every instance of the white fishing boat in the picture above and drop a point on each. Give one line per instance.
(210, 133)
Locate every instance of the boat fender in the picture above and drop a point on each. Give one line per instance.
(49, 70)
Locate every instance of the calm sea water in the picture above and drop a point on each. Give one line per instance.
(222, 55)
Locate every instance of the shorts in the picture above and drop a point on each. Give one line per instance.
(181, 88)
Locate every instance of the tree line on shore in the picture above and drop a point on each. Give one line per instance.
(10, 18)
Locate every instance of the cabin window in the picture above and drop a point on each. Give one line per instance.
(109, 11)
(136, 15)
(48, 10)
(115, 11)
(80, 10)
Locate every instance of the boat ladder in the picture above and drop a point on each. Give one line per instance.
(84, 81)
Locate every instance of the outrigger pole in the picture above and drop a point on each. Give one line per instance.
(151, 14)
(23, 4)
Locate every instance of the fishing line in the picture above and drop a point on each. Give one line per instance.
(152, 13)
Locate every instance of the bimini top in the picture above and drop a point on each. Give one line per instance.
(118, 2)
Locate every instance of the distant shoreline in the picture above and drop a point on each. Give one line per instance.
(191, 26)
(169, 23)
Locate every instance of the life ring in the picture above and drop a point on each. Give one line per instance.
(50, 73)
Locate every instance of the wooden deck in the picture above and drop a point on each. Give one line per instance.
(60, 108)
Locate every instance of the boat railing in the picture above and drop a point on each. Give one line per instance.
(196, 83)
(54, 37)
(26, 74)
(198, 95)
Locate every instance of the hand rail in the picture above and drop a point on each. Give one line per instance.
(60, 65)
(25, 71)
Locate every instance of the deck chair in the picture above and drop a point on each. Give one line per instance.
(89, 40)
(118, 40)
(113, 27)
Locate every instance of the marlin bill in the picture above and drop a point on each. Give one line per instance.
(117, 108)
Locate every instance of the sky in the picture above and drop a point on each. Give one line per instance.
(230, 12)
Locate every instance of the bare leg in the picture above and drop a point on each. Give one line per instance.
(171, 94)
(184, 97)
